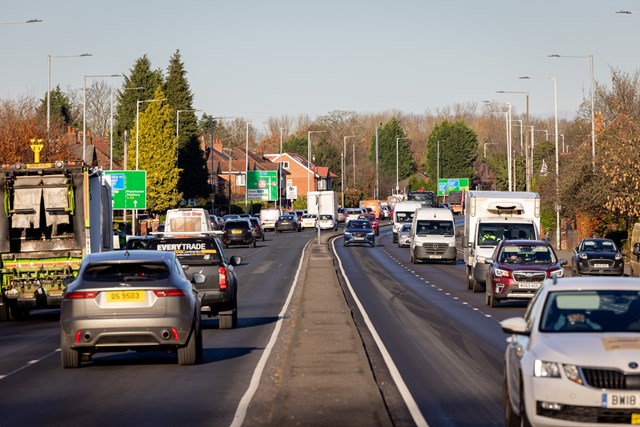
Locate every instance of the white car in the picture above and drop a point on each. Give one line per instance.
(574, 358)
(404, 236)
(308, 221)
(327, 222)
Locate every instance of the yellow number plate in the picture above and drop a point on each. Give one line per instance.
(236, 231)
(126, 296)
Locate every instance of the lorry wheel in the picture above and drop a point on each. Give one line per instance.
(69, 357)
(469, 278)
(225, 320)
(187, 355)
(477, 287)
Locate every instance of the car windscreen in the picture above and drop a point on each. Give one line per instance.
(526, 254)
(115, 273)
(607, 310)
(404, 216)
(190, 251)
(599, 246)
(490, 234)
(359, 225)
(434, 227)
(236, 224)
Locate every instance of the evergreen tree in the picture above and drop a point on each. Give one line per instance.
(296, 144)
(191, 158)
(141, 85)
(60, 109)
(390, 134)
(156, 153)
(458, 151)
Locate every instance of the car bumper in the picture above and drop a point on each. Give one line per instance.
(238, 240)
(506, 288)
(351, 240)
(286, 227)
(617, 269)
(423, 253)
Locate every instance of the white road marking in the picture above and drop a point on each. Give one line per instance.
(29, 363)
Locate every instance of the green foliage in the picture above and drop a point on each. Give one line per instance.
(416, 184)
(390, 137)
(458, 151)
(296, 144)
(352, 198)
(299, 203)
(60, 109)
(157, 155)
(547, 221)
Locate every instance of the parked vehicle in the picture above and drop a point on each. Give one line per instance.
(203, 254)
(517, 269)
(358, 232)
(257, 228)
(268, 218)
(403, 214)
(433, 236)
(54, 214)
(404, 236)
(130, 300)
(572, 359)
(309, 221)
(287, 223)
(327, 222)
(597, 257)
(492, 216)
(239, 232)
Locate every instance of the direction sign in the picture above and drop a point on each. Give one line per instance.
(128, 189)
(262, 185)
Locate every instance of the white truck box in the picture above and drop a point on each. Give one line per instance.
(492, 216)
(433, 236)
(188, 220)
(403, 214)
(268, 218)
(323, 202)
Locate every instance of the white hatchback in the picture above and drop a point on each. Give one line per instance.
(308, 221)
(574, 358)
(327, 222)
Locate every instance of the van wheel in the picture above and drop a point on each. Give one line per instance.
(469, 278)
(477, 287)
(413, 258)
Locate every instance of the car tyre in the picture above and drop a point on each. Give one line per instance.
(495, 302)
(413, 258)
(511, 419)
(253, 244)
(4, 312)
(188, 354)
(469, 278)
(69, 357)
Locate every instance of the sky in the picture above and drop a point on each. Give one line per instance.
(256, 59)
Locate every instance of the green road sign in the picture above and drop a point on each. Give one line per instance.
(452, 185)
(262, 185)
(128, 189)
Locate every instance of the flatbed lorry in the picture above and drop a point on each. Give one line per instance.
(53, 215)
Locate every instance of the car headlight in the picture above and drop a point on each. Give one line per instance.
(572, 373)
(557, 273)
(347, 234)
(370, 234)
(583, 255)
(501, 273)
(452, 244)
(618, 256)
(542, 369)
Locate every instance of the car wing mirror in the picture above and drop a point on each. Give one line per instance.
(67, 280)
(563, 262)
(489, 261)
(235, 260)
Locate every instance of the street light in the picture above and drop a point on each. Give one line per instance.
(555, 114)
(50, 57)
(309, 154)
(344, 165)
(527, 161)
(138, 102)
(213, 183)
(29, 21)
(84, 110)
(280, 169)
(627, 12)
(593, 122)
(178, 128)
(485, 147)
(509, 145)
(246, 168)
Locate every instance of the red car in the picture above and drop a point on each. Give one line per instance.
(374, 222)
(518, 268)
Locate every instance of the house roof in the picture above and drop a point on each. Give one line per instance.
(320, 171)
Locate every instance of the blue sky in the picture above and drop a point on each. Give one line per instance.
(257, 59)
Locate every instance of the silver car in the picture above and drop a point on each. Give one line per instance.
(574, 358)
(404, 236)
(130, 300)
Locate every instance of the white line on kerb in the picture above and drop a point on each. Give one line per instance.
(418, 418)
(243, 405)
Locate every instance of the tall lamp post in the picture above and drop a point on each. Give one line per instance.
(344, 164)
(593, 121)
(527, 160)
(309, 154)
(507, 115)
(50, 57)
(28, 21)
(280, 170)
(555, 115)
(213, 183)
(84, 110)
(246, 168)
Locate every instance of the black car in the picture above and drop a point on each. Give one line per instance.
(238, 232)
(359, 231)
(203, 254)
(257, 228)
(597, 257)
(288, 223)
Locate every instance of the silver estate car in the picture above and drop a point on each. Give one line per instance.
(130, 300)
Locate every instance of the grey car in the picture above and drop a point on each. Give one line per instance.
(130, 300)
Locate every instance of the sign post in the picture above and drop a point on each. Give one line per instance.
(262, 186)
(128, 189)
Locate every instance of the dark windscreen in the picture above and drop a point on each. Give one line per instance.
(125, 272)
(490, 234)
(190, 250)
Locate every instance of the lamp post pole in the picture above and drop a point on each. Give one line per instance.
(84, 111)
(246, 168)
(593, 121)
(555, 115)
(527, 159)
(309, 154)
(213, 183)
(50, 57)
(280, 170)
(377, 182)
(344, 165)
(398, 139)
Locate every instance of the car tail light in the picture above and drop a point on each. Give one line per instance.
(78, 335)
(169, 292)
(174, 332)
(81, 295)
(222, 274)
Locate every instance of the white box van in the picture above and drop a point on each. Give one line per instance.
(188, 220)
(403, 214)
(433, 235)
(268, 218)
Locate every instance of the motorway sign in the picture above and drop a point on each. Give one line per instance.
(452, 185)
(128, 189)
(262, 185)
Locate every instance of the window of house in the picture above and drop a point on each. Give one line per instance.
(241, 180)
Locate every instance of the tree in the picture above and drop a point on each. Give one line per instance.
(60, 110)
(191, 157)
(98, 108)
(458, 150)
(388, 136)
(141, 84)
(296, 144)
(157, 154)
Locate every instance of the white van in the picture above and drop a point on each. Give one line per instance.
(403, 214)
(268, 218)
(188, 220)
(433, 235)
